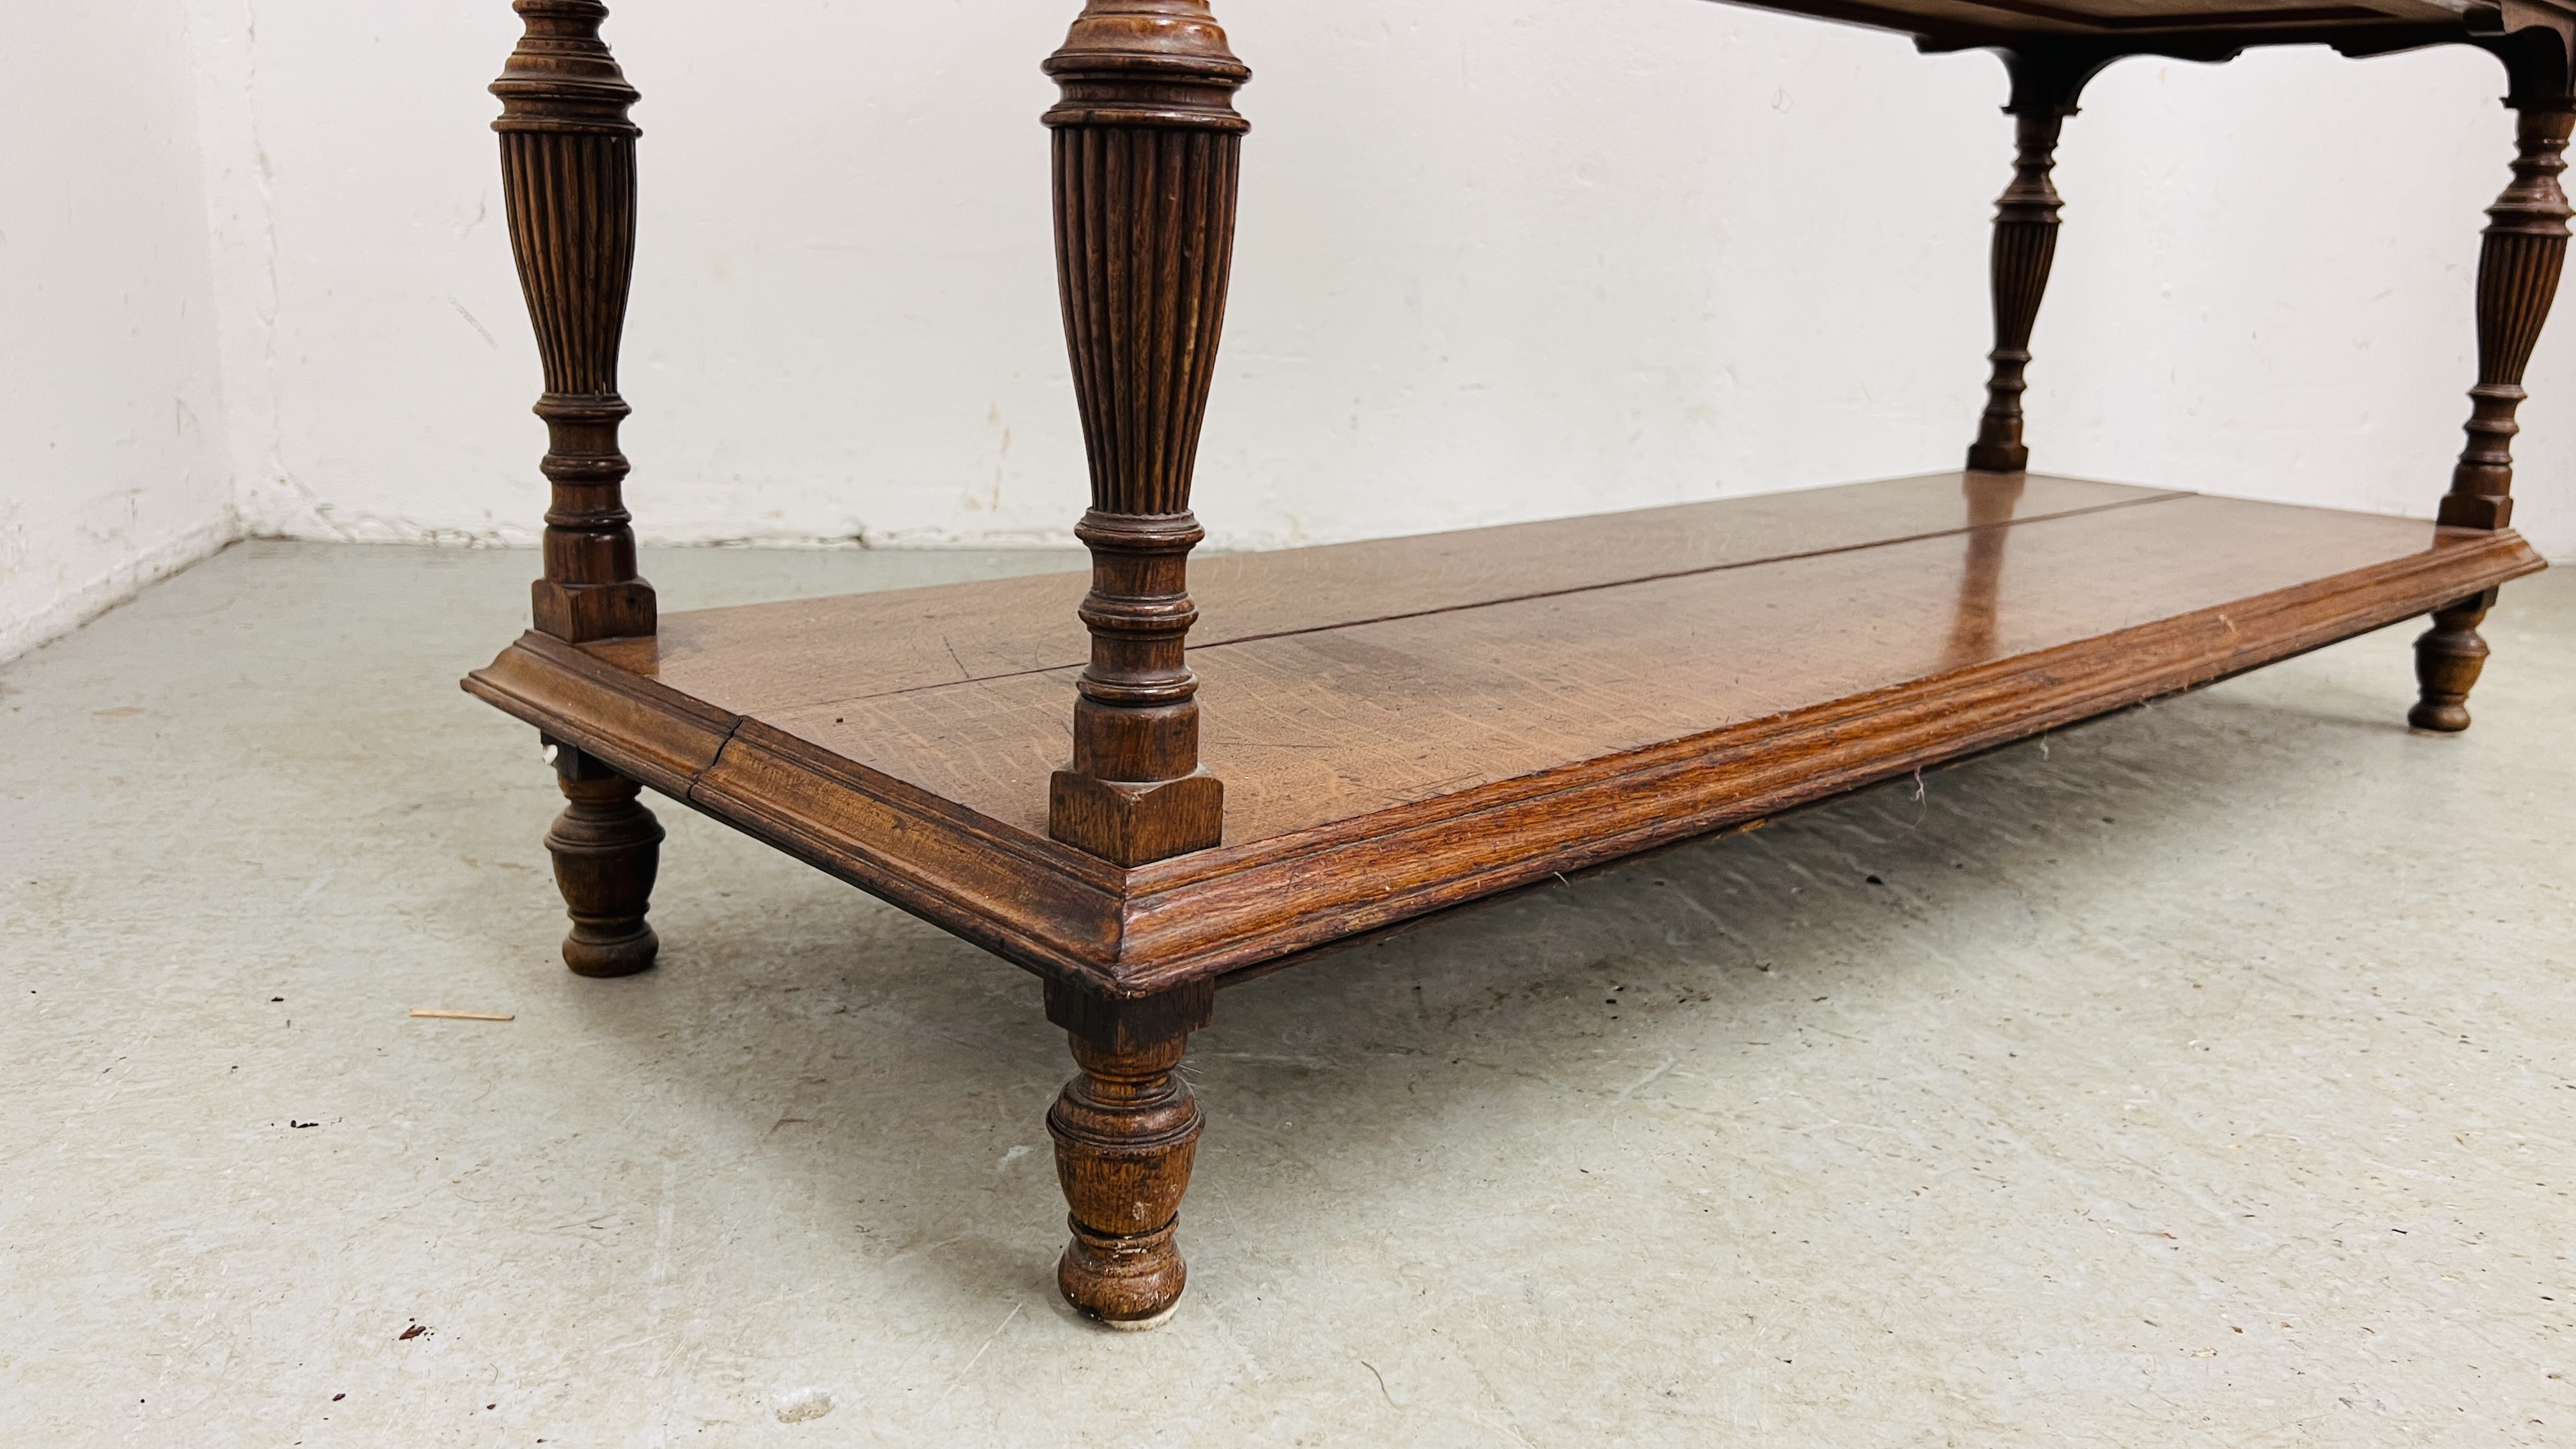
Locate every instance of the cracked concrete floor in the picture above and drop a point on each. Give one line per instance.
(2201, 1075)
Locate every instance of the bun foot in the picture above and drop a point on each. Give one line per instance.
(2448, 717)
(603, 954)
(1124, 1283)
(2448, 659)
(1126, 1133)
(607, 849)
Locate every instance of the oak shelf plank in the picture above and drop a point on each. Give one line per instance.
(1407, 724)
(759, 658)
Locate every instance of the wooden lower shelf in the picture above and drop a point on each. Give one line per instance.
(1408, 724)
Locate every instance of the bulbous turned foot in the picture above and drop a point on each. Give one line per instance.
(2448, 659)
(1130, 1283)
(1126, 1133)
(607, 849)
(592, 951)
(2445, 716)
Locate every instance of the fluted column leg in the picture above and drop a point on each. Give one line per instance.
(2519, 263)
(1146, 144)
(568, 184)
(2045, 86)
(2025, 246)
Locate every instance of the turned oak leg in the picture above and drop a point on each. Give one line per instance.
(606, 848)
(1126, 1133)
(2448, 657)
(1146, 142)
(2045, 86)
(568, 184)
(2519, 262)
(2025, 245)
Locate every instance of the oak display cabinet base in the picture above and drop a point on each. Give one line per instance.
(1408, 724)
(1273, 753)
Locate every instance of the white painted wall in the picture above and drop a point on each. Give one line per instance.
(1500, 259)
(112, 465)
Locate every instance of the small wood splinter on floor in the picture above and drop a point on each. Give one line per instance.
(441, 1013)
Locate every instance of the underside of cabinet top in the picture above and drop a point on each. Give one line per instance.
(1408, 724)
(2118, 17)
(2211, 29)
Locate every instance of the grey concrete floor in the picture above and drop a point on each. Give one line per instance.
(2202, 1075)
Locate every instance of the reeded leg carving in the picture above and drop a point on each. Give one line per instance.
(2519, 263)
(2024, 247)
(1146, 141)
(2045, 86)
(568, 183)
(607, 847)
(1126, 1135)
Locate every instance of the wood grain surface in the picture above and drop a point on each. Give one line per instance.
(1321, 724)
(1384, 762)
(761, 658)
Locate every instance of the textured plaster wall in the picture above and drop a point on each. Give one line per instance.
(1498, 261)
(112, 459)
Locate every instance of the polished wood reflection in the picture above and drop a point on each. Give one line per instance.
(1548, 695)
(1991, 500)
